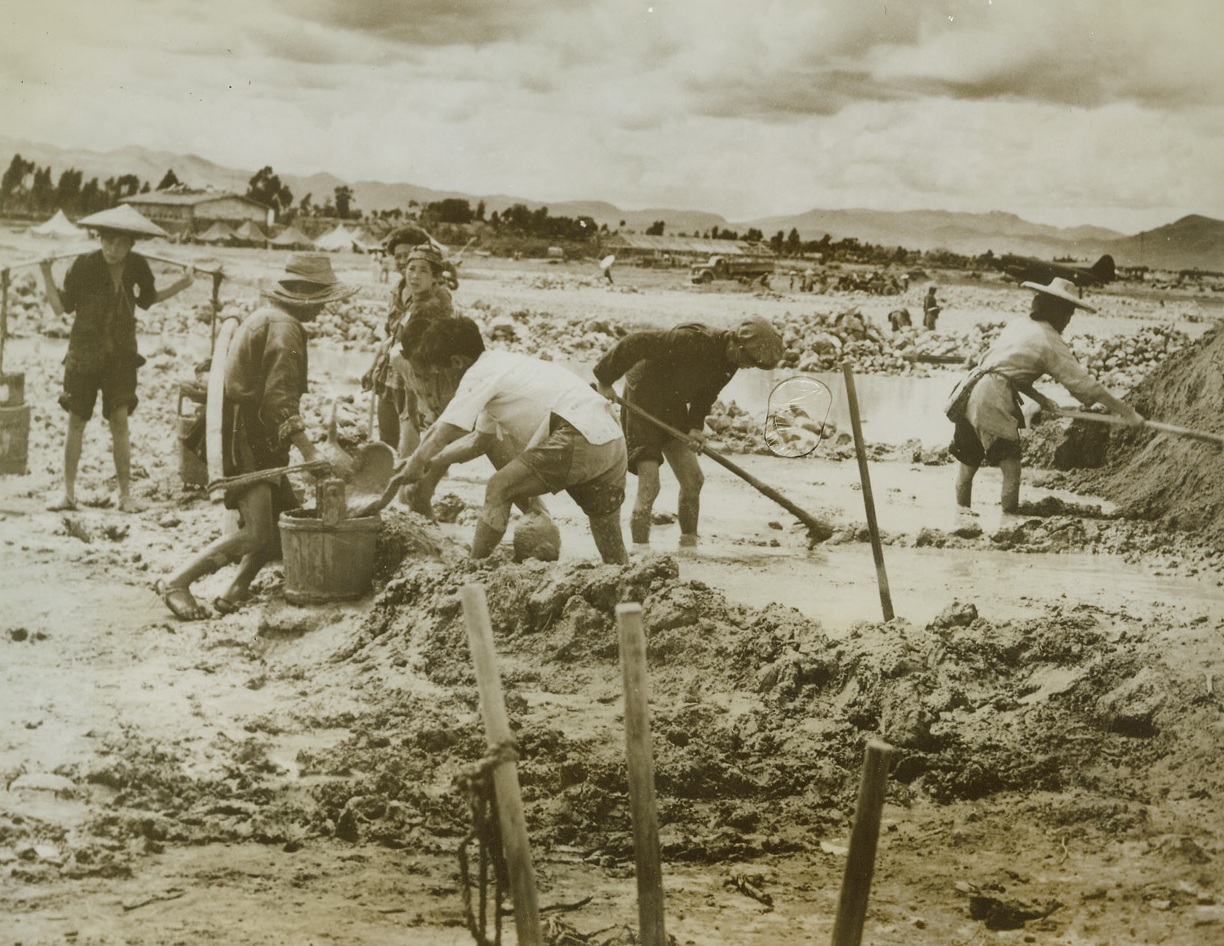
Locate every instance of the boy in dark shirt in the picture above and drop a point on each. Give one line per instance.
(103, 289)
(675, 376)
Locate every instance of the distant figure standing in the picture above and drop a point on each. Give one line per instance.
(605, 266)
(103, 289)
(930, 310)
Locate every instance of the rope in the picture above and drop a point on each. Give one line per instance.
(476, 782)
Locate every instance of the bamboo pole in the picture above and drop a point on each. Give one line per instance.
(864, 835)
(817, 528)
(641, 775)
(56, 257)
(860, 448)
(505, 775)
(4, 286)
(214, 407)
(1203, 435)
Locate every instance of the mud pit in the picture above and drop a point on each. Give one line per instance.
(286, 771)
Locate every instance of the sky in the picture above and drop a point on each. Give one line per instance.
(1067, 112)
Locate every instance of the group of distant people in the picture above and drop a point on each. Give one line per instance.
(442, 397)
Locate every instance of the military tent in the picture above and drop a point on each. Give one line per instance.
(337, 239)
(59, 227)
(217, 233)
(291, 238)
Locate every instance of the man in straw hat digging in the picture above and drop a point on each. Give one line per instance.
(675, 376)
(985, 405)
(102, 289)
(265, 378)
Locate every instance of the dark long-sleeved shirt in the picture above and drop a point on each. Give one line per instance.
(687, 364)
(104, 327)
(266, 368)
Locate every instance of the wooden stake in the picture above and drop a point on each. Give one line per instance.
(860, 862)
(4, 284)
(505, 776)
(877, 548)
(641, 775)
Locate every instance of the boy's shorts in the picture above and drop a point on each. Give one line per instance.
(592, 474)
(117, 383)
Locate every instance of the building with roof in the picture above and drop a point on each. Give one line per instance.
(180, 211)
(639, 246)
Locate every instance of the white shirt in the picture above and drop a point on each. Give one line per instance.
(505, 392)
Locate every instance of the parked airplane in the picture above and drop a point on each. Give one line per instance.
(1027, 269)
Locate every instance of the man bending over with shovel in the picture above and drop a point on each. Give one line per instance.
(675, 376)
(265, 378)
(578, 448)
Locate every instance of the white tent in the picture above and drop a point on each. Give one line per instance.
(337, 239)
(60, 227)
(290, 237)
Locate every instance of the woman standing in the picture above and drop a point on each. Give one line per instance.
(985, 405)
(424, 294)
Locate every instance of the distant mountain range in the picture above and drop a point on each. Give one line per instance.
(1191, 242)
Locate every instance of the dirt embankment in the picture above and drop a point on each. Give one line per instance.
(1175, 481)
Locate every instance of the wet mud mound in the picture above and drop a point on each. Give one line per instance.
(1174, 481)
(759, 722)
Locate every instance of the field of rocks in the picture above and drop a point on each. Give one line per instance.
(291, 774)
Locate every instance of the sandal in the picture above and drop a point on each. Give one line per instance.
(223, 605)
(180, 601)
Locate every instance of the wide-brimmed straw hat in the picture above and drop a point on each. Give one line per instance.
(761, 341)
(309, 280)
(1060, 288)
(123, 219)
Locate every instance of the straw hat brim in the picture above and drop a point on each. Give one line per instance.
(1057, 294)
(325, 296)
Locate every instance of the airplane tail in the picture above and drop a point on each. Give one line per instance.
(1103, 269)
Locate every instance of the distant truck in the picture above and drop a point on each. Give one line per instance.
(743, 268)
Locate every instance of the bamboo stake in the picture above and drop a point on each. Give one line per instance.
(860, 448)
(641, 775)
(505, 776)
(4, 285)
(864, 835)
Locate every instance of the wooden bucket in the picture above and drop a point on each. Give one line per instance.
(14, 425)
(327, 563)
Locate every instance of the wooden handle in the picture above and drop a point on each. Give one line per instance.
(819, 529)
(864, 836)
(860, 448)
(264, 476)
(1172, 429)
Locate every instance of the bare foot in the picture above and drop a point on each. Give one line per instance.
(181, 602)
(130, 504)
(63, 504)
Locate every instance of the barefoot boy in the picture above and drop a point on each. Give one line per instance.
(103, 289)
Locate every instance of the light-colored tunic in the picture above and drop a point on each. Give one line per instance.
(1024, 351)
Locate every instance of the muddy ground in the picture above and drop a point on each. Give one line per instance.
(287, 774)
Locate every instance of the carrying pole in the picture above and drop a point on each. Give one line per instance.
(4, 286)
(505, 774)
(640, 757)
(860, 448)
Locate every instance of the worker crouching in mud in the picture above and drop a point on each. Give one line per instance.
(985, 405)
(578, 447)
(675, 376)
(265, 378)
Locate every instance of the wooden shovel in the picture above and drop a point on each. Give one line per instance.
(1201, 435)
(818, 529)
(264, 476)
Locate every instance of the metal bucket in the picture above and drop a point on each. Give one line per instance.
(14, 425)
(327, 563)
